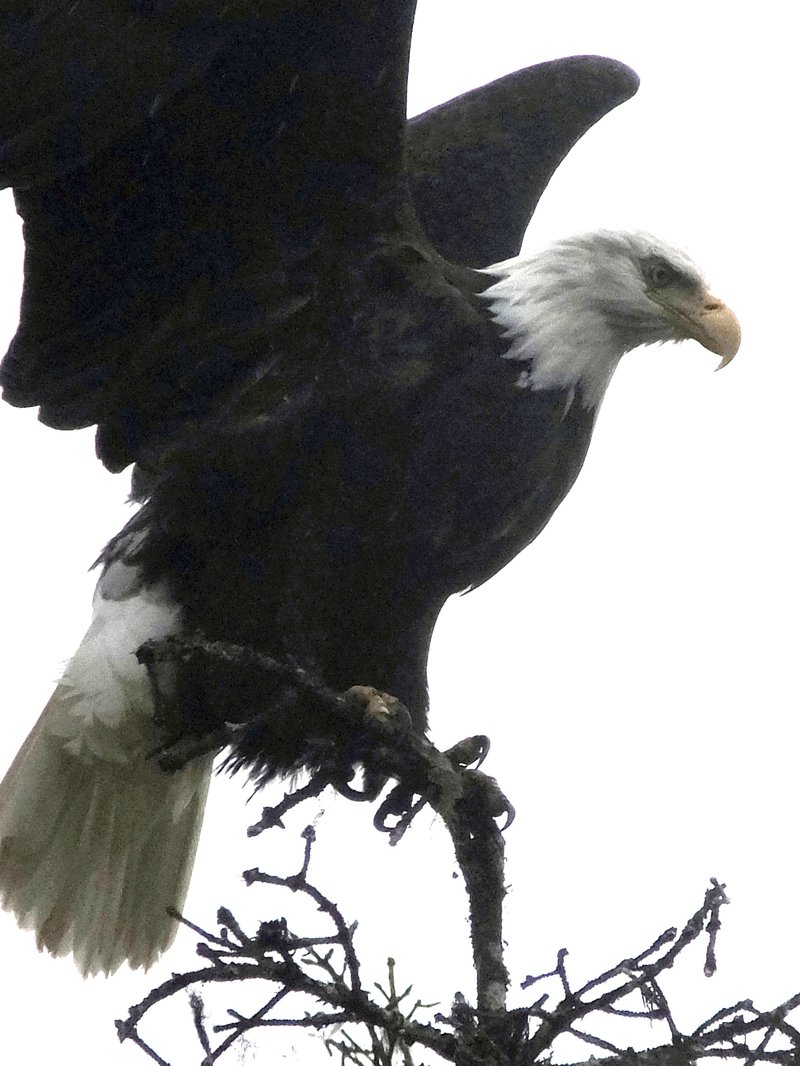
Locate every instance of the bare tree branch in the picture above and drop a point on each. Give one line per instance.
(326, 968)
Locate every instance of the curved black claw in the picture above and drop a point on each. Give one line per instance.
(500, 806)
(398, 804)
(510, 814)
(469, 751)
(357, 794)
(487, 793)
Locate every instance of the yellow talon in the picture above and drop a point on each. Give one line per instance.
(376, 704)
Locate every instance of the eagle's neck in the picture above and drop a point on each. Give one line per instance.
(552, 324)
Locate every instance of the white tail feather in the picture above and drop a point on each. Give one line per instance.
(95, 841)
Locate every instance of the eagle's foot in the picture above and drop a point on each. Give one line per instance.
(375, 703)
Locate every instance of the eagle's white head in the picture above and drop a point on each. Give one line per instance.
(571, 311)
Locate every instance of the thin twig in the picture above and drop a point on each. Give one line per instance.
(196, 1005)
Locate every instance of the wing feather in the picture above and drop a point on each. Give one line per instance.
(203, 191)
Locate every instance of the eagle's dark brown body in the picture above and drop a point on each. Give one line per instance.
(335, 534)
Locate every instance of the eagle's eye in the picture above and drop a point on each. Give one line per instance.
(659, 273)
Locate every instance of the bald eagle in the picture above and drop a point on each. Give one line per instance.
(335, 424)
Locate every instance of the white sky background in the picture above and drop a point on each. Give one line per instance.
(635, 667)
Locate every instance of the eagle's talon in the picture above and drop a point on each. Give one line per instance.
(510, 814)
(344, 788)
(469, 752)
(400, 805)
(376, 704)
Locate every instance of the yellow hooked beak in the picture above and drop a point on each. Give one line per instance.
(704, 318)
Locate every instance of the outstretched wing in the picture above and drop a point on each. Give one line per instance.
(159, 252)
(199, 182)
(479, 163)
